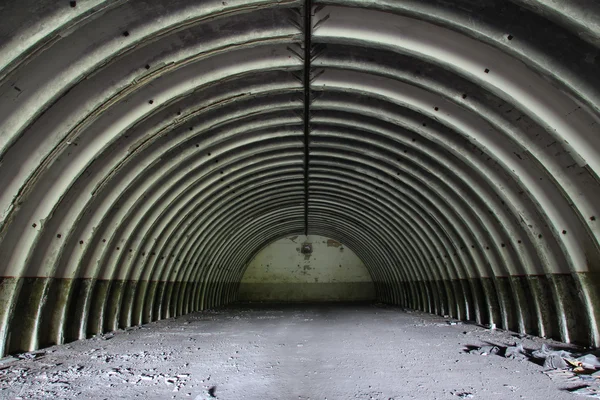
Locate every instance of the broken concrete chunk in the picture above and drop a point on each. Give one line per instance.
(554, 361)
(485, 350)
(590, 360)
(587, 392)
(31, 355)
(7, 360)
(464, 395)
(516, 352)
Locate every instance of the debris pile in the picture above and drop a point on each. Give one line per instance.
(560, 365)
(33, 375)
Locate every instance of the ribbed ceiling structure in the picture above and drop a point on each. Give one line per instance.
(150, 148)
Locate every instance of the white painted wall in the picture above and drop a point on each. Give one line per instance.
(280, 272)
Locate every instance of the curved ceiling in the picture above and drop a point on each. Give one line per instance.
(149, 149)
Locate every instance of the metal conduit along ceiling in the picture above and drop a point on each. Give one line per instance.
(149, 149)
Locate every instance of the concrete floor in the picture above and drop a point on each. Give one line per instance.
(321, 351)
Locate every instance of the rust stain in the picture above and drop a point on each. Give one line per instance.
(333, 243)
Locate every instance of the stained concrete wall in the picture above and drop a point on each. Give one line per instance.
(281, 272)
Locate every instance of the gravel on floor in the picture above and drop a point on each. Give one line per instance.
(295, 351)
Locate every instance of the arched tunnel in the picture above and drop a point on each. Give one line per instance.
(150, 149)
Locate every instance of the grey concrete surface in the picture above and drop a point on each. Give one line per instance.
(259, 351)
(329, 271)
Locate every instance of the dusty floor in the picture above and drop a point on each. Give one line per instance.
(266, 352)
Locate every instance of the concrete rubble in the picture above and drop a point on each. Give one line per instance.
(259, 351)
(560, 365)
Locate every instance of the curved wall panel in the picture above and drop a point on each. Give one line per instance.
(150, 149)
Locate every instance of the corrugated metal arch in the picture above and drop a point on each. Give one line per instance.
(149, 150)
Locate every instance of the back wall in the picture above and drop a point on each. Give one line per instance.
(281, 272)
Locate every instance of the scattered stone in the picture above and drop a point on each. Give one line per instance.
(590, 361)
(145, 377)
(587, 392)
(552, 359)
(485, 350)
(516, 352)
(31, 355)
(85, 373)
(211, 391)
(463, 395)
(7, 360)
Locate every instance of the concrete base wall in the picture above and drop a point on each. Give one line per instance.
(281, 272)
(307, 292)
